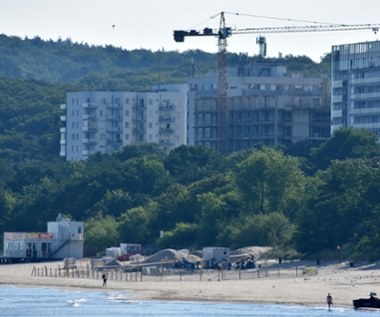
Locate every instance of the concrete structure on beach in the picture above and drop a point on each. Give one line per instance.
(64, 238)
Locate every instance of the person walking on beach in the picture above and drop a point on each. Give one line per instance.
(329, 300)
(104, 277)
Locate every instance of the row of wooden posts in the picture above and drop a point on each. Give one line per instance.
(121, 275)
(82, 272)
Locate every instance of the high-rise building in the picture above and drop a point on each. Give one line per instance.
(264, 106)
(355, 86)
(106, 121)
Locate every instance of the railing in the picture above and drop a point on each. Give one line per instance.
(60, 247)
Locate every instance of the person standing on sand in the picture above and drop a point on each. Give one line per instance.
(329, 300)
(104, 277)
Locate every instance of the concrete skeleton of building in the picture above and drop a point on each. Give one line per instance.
(107, 121)
(355, 86)
(64, 239)
(264, 106)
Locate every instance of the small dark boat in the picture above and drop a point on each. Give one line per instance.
(371, 302)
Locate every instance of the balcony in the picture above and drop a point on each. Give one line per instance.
(365, 81)
(89, 141)
(166, 119)
(166, 108)
(63, 107)
(166, 131)
(167, 143)
(87, 105)
(89, 128)
(337, 98)
(62, 118)
(87, 117)
(367, 95)
(113, 129)
(337, 84)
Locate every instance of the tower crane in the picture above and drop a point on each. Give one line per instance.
(223, 32)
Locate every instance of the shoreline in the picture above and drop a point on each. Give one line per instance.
(343, 282)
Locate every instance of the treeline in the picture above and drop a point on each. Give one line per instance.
(198, 197)
(111, 68)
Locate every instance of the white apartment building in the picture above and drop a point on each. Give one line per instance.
(355, 91)
(106, 121)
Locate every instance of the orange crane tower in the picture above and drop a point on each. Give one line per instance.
(224, 32)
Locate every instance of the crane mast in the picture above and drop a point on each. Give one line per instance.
(224, 32)
(221, 104)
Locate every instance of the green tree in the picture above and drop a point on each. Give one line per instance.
(101, 233)
(7, 204)
(270, 181)
(114, 202)
(187, 164)
(182, 236)
(212, 215)
(334, 214)
(344, 144)
(133, 226)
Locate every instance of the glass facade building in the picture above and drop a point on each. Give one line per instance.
(355, 86)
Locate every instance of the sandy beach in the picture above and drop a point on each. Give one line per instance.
(287, 283)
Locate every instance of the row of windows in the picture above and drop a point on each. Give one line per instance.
(285, 87)
(366, 119)
(127, 101)
(365, 89)
(367, 104)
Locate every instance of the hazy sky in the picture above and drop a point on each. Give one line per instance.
(149, 24)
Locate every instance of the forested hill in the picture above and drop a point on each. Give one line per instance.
(111, 68)
(36, 74)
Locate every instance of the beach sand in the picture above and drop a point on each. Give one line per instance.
(281, 284)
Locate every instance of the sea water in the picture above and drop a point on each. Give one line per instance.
(43, 302)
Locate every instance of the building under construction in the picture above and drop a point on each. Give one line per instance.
(264, 106)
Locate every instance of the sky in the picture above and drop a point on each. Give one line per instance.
(149, 24)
